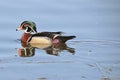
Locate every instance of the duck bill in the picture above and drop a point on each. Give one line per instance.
(18, 29)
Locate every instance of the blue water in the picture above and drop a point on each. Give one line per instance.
(97, 46)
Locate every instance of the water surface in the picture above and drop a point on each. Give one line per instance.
(97, 46)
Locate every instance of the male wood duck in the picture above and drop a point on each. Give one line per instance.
(41, 37)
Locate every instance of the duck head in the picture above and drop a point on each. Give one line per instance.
(28, 26)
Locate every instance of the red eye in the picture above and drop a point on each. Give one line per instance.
(26, 25)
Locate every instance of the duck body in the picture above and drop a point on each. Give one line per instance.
(45, 38)
(41, 37)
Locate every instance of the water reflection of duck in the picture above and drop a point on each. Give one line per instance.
(26, 52)
(57, 48)
(52, 42)
(54, 49)
(41, 37)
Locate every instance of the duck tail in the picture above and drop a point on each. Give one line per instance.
(63, 39)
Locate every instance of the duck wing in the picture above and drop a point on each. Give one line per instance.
(55, 33)
(47, 34)
(63, 39)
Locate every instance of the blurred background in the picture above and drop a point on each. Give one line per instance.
(96, 23)
(93, 19)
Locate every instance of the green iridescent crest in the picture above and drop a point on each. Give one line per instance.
(32, 25)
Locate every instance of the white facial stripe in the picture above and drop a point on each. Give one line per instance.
(32, 29)
(26, 30)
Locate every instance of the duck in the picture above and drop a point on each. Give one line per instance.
(31, 36)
